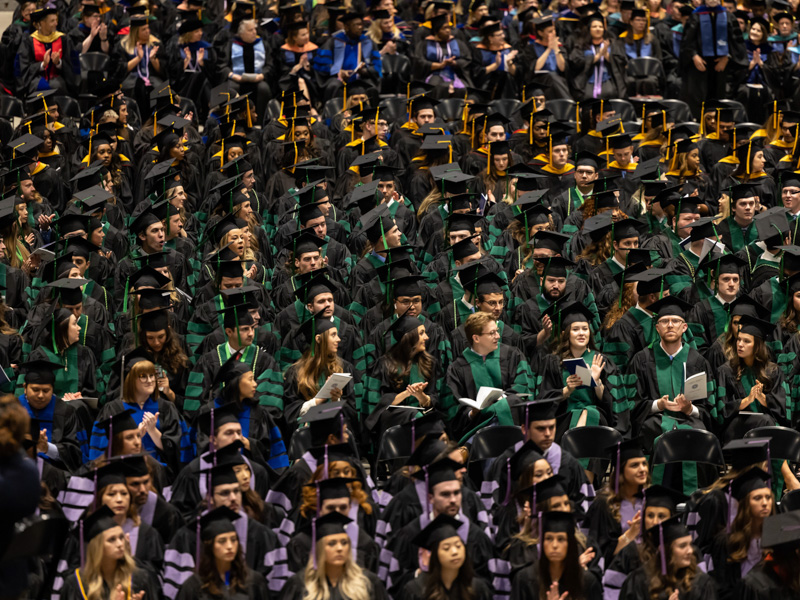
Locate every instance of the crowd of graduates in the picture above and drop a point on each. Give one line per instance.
(425, 301)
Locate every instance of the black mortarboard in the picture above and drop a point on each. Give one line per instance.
(781, 531)
(103, 518)
(663, 497)
(68, 291)
(41, 372)
(121, 421)
(651, 281)
(756, 327)
(222, 415)
(750, 480)
(539, 410)
(702, 228)
(333, 523)
(463, 249)
(746, 452)
(438, 472)
(670, 306)
(216, 522)
(324, 420)
(550, 239)
(557, 521)
(376, 223)
(305, 241)
(772, 226)
(575, 312)
(441, 528)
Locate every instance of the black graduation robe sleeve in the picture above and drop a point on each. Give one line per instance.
(603, 527)
(762, 583)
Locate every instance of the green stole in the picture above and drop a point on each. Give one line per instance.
(614, 266)
(486, 372)
(582, 398)
(669, 375)
(738, 239)
(674, 240)
(748, 381)
(653, 224)
(67, 379)
(574, 200)
(779, 299)
(646, 322)
(249, 354)
(720, 315)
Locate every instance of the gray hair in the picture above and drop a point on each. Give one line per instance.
(245, 23)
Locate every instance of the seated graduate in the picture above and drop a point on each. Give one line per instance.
(559, 570)
(165, 435)
(331, 572)
(659, 503)
(670, 568)
(108, 565)
(751, 382)
(61, 431)
(614, 518)
(221, 571)
(736, 550)
(776, 576)
(446, 567)
(304, 379)
(408, 376)
(320, 498)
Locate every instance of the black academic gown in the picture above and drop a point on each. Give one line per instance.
(728, 574)
(764, 583)
(756, 415)
(140, 581)
(415, 589)
(636, 588)
(295, 588)
(526, 586)
(255, 588)
(299, 550)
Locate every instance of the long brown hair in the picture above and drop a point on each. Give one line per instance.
(14, 424)
(311, 365)
(789, 318)
(742, 530)
(462, 586)
(572, 578)
(143, 367)
(212, 578)
(660, 584)
(597, 252)
(308, 504)
(171, 355)
(763, 367)
(399, 359)
(562, 344)
(629, 299)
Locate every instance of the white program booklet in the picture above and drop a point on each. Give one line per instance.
(694, 387)
(486, 397)
(339, 380)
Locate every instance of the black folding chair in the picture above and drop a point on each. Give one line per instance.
(395, 445)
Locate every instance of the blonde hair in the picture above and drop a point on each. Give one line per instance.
(353, 585)
(375, 32)
(129, 41)
(92, 576)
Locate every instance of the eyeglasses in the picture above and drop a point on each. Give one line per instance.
(409, 301)
(147, 377)
(493, 333)
(495, 303)
(671, 322)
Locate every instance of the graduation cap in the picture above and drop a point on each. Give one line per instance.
(222, 415)
(100, 520)
(772, 226)
(429, 426)
(437, 472)
(314, 326)
(781, 531)
(651, 281)
(325, 420)
(464, 249)
(587, 159)
(463, 221)
(621, 453)
(663, 534)
(538, 410)
(317, 284)
(143, 221)
(229, 372)
(26, 145)
(551, 240)
(488, 282)
(154, 320)
(41, 13)
(217, 522)
(331, 488)
(702, 229)
(134, 465)
(40, 372)
(660, 496)
(407, 286)
(743, 453)
(69, 291)
(790, 257)
(557, 521)
(366, 196)
(234, 317)
(756, 327)
(402, 325)
(443, 527)
(156, 260)
(745, 305)
(439, 21)
(749, 481)
(670, 306)
(334, 523)
(117, 423)
(555, 266)
(376, 223)
(93, 198)
(743, 190)
(719, 264)
(304, 241)
(575, 312)
(620, 141)
(426, 452)
(148, 277)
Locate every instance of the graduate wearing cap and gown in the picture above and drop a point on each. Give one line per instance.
(668, 565)
(60, 72)
(295, 395)
(403, 543)
(261, 549)
(240, 333)
(328, 495)
(408, 376)
(307, 581)
(767, 258)
(775, 577)
(659, 504)
(748, 384)
(738, 548)
(659, 372)
(445, 548)
(623, 234)
(215, 526)
(99, 529)
(66, 435)
(733, 233)
(601, 401)
(406, 139)
(79, 372)
(239, 393)
(579, 583)
(440, 58)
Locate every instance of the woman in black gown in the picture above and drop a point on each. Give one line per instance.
(449, 574)
(671, 571)
(222, 571)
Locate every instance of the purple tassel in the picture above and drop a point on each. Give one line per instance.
(769, 465)
(662, 549)
(83, 550)
(318, 502)
(644, 504)
(314, 540)
(211, 435)
(728, 519)
(325, 464)
(110, 436)
(427, 492)
(508, 483)
(616, 470)
(539, 540)
(197, 543)
(413, 435)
